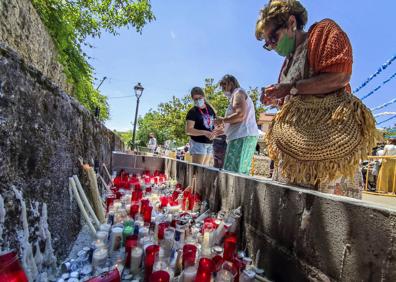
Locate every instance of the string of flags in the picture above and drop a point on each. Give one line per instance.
(380, 69)
(378, 123)
(378, 87)
(384, 105)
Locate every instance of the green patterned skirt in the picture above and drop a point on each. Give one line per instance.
(239, 154)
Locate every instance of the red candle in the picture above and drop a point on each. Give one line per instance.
(147, 180)
(230, 242)
(164, 201)
(156, 173)
(134, 210)
(175, 195)
(137, 195)
(130, 243)
(110, 197)
(147, 214)
(205, 269)
(159, 276)
(189, 255)
(143, 205)
(218, 262)
(161, 229)
(151, 251)
(137, 186)
(148, 189)
(10, 268)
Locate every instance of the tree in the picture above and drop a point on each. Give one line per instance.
(167, 122)
(124, 136)
(71, 22)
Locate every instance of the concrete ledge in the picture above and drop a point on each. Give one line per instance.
(303, 235)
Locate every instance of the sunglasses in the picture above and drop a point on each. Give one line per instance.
(273, 38)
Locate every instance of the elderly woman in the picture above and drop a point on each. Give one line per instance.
(322, 131)
(240, 127)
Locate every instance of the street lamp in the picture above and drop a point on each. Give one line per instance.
(138, 93)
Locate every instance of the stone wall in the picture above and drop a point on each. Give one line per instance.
(43, 131)
(303, 235)
(21, 29)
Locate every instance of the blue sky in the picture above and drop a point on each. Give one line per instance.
(195, 39)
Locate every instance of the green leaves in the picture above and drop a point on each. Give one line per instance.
(71, 22)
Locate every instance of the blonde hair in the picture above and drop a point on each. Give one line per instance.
(228, 78)
(278, 12)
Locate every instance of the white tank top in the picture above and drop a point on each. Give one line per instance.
(248, 127)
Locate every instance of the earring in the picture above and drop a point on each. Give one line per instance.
(294, 28)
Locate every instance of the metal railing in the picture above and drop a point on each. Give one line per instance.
(387, 162)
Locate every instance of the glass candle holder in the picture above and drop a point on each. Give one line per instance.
(149, 259)
(134, 211)
(230, 243)
(189, 274)
(128, 231)
(144, 203)
(205, 269)
(159, 276)
(10, 268)
(136, 259)
(130, 243)
(189, 255)
(161, 230)
(116, 238)
(227, 273)
(137, 195)
(99, 257)
(147, 214)
(102, 236)
(110, 197)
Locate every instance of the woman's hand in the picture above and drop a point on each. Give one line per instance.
(277, 91)
(209, 135)
(219, 121)
(218, 131)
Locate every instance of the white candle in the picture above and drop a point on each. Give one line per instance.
(207, 242)
(143, 232)
(189, 274)
(116, 238)
(105, 227)
(136, 259)
(102, 236)
(99, 257)
(224, 276)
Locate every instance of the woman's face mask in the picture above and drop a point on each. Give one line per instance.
(286, 45)
(200, 103)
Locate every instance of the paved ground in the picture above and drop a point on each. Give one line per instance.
(385, 201)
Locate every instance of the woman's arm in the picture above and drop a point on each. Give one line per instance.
(320, 84)
(323, 83)
(239, 107)
(190, 130)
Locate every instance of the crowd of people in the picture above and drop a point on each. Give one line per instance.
(321, 131)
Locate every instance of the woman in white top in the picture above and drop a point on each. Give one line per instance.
(386, 181)
(240, 127)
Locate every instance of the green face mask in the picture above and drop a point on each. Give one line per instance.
(286, 45)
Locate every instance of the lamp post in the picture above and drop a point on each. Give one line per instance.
(138, 93)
